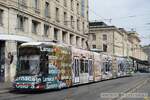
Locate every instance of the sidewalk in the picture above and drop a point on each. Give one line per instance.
(5, 87)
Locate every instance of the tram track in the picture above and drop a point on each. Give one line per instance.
(123, 85)
(133, 89)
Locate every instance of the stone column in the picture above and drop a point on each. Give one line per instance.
(74, 40)
(68, 38)
(41, 33)
(80, 42)
(51, 34)
(60, 36)
(10, 60)
(30, 26)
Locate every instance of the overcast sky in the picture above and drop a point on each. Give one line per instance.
(124, 13)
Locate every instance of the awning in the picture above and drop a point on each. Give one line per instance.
(140, 61)
(15, 38)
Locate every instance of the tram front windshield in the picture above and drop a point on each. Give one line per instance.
(29, 61)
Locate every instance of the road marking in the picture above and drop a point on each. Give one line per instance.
(131, 90)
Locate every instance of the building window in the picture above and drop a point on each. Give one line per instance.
(104, 47)
(72, 22)
(57, 14)
(1, 17)
(36, 4)
(35, 26)
(21, 22)
(104, 37)
(56, 31)
(71, 39)
(78, 24)
(93, 46)
(78, 8)
(23, 3)
(65, 3)
(72, 4)
(82, 7)
(47, 9)
(65, 18)
(46, 29)
(87, 14)
(93, 37)
(64, 37)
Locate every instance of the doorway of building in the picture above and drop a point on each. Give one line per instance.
(2, 61)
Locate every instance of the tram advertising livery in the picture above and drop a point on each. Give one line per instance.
(43, 66)
(47, 65)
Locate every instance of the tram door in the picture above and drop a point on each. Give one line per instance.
(90, 66)
(76, 67)
(84, 73)
(2, 61)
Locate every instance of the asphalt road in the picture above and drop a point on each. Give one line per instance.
(105, 90)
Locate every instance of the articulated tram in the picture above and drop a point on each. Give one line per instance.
(48, 65)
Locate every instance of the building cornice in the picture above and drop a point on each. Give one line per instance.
(105, 28)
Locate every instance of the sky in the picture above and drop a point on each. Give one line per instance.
(128, 14)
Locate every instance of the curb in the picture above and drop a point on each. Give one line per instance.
(4, 91)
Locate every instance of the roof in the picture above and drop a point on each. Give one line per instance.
(140, 61)
(134, 35)
(103, 26)
(42, 43)
(97, 24)
(123, 30)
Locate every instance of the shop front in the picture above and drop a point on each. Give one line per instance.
(8, 55)
(2, 61)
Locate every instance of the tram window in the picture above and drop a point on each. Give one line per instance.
(78, 64)
(44, 64)
(119, 67)
(76, 67)
(109, 64)
(86, 66)
(106, 66)
(29, 65)
(28, 51)
(103, 67)
(90, 67)
(82, 65)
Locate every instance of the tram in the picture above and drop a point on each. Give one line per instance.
(48, 65)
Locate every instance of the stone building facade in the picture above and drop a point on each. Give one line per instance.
(137, 50)
(65, 21)
(147, 51)
(115, 41)
(109, 39)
